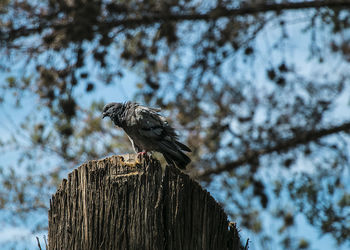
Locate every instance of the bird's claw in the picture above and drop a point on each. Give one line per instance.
(141, 155)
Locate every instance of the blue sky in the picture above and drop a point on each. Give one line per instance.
(9, 125)
(124, 90)
(112, 93)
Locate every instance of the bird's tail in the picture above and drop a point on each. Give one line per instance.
(173, 154)
(181, 161)
(183, 146)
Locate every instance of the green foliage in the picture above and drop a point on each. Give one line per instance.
(255, 89)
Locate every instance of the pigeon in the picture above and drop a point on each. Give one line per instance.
(148, 131)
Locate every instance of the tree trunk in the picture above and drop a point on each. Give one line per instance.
(115, 203)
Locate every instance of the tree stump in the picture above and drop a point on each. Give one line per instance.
(124, 202)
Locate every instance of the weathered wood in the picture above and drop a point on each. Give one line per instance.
(116, 204)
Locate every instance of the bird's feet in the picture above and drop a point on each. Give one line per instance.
(141, 155)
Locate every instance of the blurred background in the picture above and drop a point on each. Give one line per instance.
(258, 89)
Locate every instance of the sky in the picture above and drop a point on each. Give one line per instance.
(110, 93)
(123, 91)
(9, 235)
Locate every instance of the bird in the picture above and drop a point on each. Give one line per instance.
(148, 131)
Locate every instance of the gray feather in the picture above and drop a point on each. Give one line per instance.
(148, 131)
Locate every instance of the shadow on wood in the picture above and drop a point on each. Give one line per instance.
(115, 203)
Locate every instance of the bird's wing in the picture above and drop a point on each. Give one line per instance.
(151, 124)
(154, 128)
(136, 147)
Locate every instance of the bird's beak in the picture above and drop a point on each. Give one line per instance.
(104, 115)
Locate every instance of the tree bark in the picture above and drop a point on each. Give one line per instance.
(116, 203)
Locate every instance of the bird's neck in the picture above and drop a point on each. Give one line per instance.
(119, 116)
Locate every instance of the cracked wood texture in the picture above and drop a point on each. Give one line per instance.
(123, 202)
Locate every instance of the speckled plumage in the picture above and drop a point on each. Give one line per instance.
(148, 131)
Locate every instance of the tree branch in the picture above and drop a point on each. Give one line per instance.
(223, 12)
(214, 14)
(303, 138)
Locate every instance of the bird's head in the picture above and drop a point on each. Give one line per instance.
(113, 110)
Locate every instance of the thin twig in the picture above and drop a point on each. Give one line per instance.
(37, 239)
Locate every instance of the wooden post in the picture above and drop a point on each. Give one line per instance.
(115, 203)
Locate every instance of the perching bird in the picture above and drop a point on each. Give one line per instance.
(148, 131)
